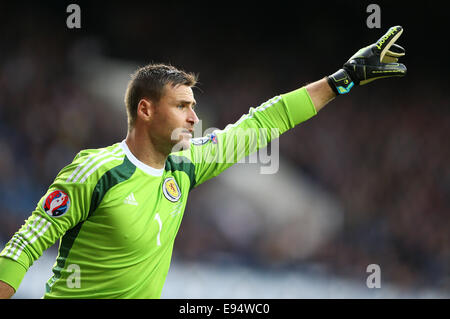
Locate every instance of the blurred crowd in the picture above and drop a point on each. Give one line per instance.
(389, 166)
(382, 151)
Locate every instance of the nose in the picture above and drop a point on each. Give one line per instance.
(192, 117)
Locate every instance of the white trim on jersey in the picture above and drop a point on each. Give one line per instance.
(147, 169)
(260, 108)
(91, 160)
(20, 240)
(109, 159)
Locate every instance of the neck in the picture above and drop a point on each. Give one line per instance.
(145, 150)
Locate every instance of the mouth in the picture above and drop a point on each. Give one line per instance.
(188, 132)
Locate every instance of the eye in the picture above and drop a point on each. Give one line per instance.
(180, 106)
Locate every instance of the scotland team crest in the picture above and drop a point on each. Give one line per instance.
(56, 203)
(171, 190)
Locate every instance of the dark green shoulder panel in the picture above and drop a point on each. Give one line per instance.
(111, 178)
(183, 164)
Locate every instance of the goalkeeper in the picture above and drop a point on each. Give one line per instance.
(117, 210)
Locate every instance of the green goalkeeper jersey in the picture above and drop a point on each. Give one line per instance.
(117, 218)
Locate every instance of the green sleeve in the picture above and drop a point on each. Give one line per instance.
(45, 225)
(219, 150)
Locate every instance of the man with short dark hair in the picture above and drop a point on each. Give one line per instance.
(117, 209)
(150, 81)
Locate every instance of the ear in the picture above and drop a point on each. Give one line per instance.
(144, 109)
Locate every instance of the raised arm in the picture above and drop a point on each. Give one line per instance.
(212, 154)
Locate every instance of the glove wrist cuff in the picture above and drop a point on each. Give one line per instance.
(340, 82)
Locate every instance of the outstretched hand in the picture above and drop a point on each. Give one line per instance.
(376, 61)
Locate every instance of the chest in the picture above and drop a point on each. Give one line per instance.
(143, 214)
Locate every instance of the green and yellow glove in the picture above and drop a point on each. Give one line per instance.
(376, 61)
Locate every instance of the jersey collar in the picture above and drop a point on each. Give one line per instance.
(147, 169)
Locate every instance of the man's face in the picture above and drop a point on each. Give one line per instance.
(173, 118)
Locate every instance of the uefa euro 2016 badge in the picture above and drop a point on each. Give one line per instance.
(56, 203)
(213, 138)
(171, 190)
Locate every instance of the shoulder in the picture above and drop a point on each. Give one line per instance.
(91, 164)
